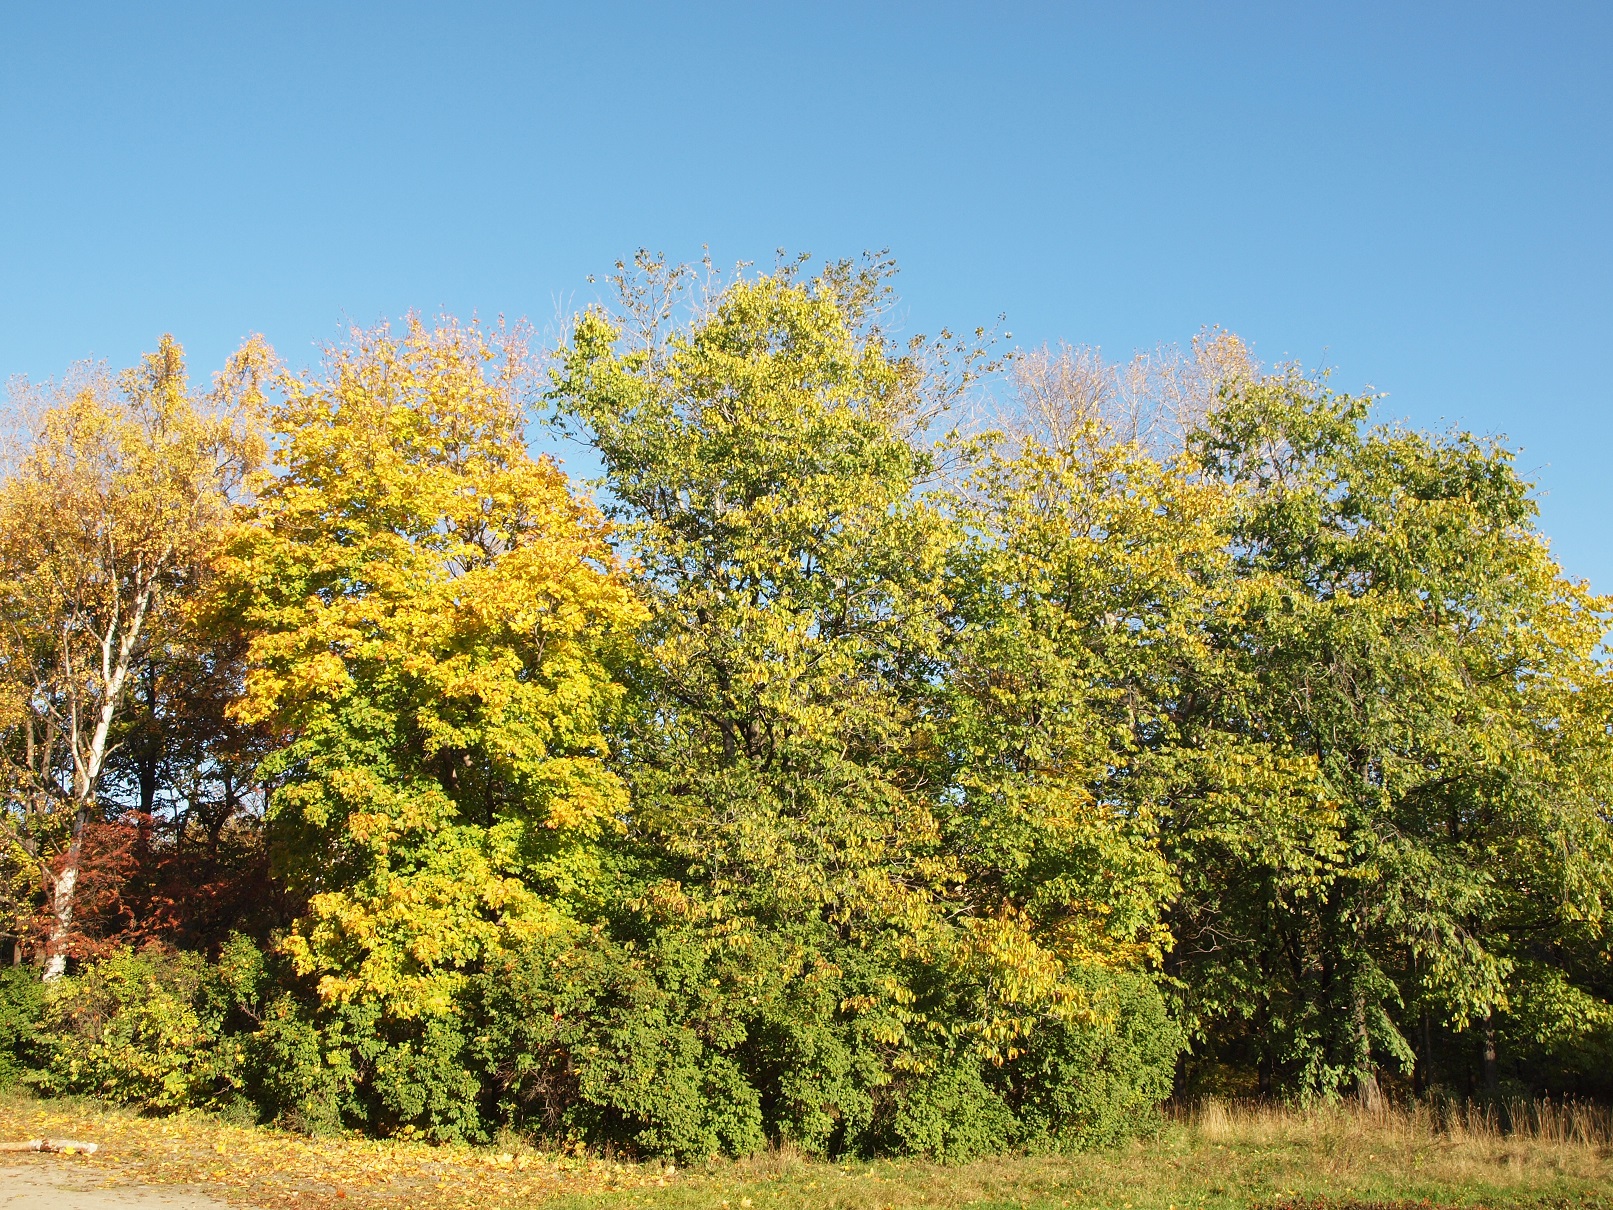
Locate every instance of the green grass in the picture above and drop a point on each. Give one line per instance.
(1216, 1159)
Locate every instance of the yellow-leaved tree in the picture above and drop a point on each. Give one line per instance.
(433, 617)
(118, 498)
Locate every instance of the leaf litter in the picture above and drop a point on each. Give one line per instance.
(281, 1170)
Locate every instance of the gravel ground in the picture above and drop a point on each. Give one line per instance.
(47, 1185)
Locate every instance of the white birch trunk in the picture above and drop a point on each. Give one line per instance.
(87, 773)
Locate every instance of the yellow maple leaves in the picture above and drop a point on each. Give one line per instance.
(434, 616)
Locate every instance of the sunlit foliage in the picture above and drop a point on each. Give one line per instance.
(854, 774)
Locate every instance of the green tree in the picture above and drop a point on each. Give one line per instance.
(807, 814)
(1403, 629)
(765, 484)
(1089, 760)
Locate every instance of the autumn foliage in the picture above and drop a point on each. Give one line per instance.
(837, 773)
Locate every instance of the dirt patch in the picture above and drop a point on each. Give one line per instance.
(46, 1184)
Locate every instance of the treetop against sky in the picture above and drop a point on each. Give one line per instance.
(1416, 196)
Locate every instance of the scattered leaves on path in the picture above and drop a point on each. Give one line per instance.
(278, 1170)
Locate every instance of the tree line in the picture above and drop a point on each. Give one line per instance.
(851, 769)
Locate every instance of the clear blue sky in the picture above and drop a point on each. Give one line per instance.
(1419, 194)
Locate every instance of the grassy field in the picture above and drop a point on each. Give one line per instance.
(1214, 1159)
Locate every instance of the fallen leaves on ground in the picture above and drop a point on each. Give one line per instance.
(1277, 1159)
(279, 1170)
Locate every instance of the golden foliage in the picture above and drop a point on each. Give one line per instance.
(432, 614)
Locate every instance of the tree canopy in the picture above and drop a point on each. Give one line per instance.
(852, 773)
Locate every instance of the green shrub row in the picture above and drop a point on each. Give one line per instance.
(587, 1042)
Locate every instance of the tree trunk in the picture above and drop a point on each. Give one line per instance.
(1366, 1075)
(1425, 1060)
(61, 916)
(116, 657)
(1489, 1058)
(1367, 1090)
(148, 806)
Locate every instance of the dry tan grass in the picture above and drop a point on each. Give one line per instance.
(1554, 1123)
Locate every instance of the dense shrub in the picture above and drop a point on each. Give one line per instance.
(1092, 1081)
(320, 1068)
(22, 1004)
(290, 1078)
(424, 1081)
(951, 1114)
(141, 1027)
(582, 1035)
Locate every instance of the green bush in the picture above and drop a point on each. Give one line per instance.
(587, 1037)
(22, 1005)
(320, 1068)
(951, 1115)
(141, 1027)
(1097, 1079)
(288, 1076)
(425, 1081)
(583, 1036)
(643, 1047)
